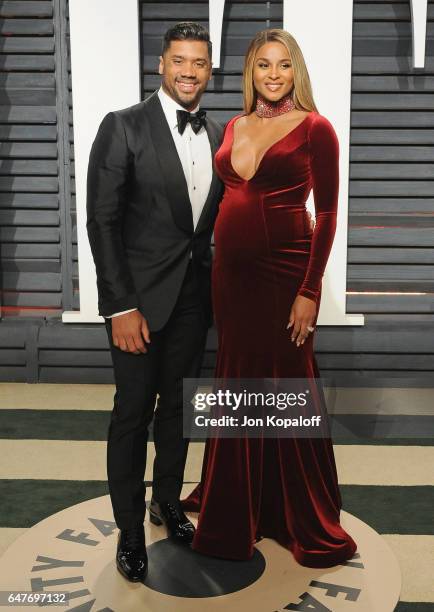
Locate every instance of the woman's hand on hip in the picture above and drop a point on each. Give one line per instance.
(301, 319)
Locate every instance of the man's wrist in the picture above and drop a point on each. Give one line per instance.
(117, 314)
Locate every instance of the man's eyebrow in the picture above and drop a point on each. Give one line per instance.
(196, 59)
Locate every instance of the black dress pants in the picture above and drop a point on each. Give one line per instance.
(175, 352)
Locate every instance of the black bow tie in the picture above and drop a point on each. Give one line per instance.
(197, 120)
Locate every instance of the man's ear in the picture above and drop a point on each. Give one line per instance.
(161, 65)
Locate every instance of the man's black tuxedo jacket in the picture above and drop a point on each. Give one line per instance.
(139, 216)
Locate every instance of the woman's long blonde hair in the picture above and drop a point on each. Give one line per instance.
(302, 89)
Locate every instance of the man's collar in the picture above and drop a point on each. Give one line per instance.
(170, 106)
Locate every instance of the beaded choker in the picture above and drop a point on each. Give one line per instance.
(264, 108)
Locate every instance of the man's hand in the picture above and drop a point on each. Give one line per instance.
(302, 316)
(130, 332)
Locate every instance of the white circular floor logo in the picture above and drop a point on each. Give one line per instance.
(74, 551)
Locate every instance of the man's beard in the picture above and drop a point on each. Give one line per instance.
(187, 104)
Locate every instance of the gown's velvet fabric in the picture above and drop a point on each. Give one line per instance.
(265, 255)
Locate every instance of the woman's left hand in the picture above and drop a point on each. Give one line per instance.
(301, 317)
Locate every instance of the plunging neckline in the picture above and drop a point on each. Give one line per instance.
(267, 150)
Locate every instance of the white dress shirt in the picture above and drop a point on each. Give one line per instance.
(194, 152)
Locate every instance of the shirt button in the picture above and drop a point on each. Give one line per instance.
(194, 187)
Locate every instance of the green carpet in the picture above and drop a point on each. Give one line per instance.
(403, 510)
(93, 425)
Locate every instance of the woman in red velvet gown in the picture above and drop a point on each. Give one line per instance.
(266, 290)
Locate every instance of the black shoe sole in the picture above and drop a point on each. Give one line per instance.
(121, 571)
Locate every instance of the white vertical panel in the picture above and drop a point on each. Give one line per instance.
(105, 64)
(419, 15)
(323, 31)
(216, 11)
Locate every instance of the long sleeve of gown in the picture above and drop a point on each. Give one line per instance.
(324, 163)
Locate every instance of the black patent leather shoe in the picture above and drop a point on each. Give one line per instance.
(171, 515)
(131, 557)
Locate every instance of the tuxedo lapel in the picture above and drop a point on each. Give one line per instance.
(206, 216)
(172, 172)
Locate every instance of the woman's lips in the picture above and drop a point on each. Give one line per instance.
(273, 86)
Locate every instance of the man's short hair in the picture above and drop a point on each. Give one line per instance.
(187, 30)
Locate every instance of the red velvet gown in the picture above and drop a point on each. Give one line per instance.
(265, 255)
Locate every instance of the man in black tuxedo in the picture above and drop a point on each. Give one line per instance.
(151, 203)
